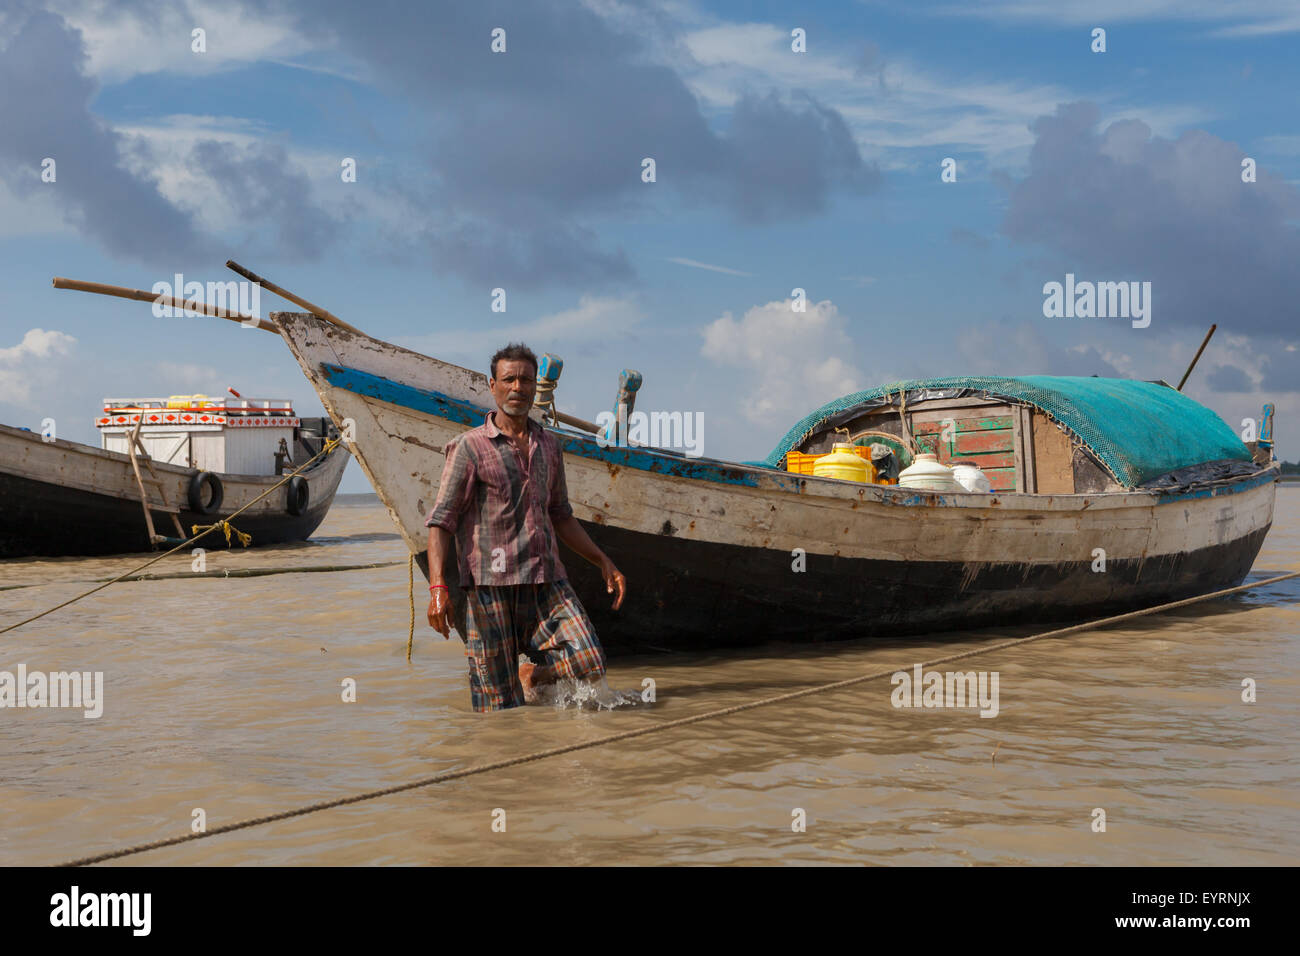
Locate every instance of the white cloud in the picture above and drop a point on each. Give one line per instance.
(37, 343)
(783, 354)
(891, 103)
(23, 366)
(704, 265)
(164, 153)
(127, 43)
(1245, 17)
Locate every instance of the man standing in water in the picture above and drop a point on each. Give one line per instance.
(504, 499)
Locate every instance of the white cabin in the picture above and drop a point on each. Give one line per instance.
(234, 436)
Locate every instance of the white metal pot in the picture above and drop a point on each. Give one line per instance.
(971, 478)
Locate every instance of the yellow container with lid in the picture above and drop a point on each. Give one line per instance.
(846, 463)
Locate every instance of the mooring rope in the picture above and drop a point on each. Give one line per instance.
(657, 728)
(410, 597)
(224, 524)
(223, 573)
(330, 445)
(261, 572)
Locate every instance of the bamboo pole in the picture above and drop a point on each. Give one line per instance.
(140, 295)
(330, 317)
(580, 423)
(315, 310)
(1196, 358)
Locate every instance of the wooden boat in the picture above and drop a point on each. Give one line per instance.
(1109, 495)
(199, 461)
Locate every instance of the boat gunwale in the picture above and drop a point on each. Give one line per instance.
(179, 471)
(765, 480)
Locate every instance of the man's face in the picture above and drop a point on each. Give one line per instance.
(514, 386)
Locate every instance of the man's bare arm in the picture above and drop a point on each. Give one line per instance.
(568, 530)
(440, 545)
(440, 542)
(571, 532)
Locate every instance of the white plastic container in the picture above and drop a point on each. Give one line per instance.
(926, 474)
(970, 477)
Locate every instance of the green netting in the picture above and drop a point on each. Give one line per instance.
(1137, 430)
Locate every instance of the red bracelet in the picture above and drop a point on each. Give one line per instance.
(443, 586)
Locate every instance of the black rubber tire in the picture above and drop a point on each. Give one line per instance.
(299, 494)
(213, 504)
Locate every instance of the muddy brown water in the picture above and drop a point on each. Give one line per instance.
(226, 695)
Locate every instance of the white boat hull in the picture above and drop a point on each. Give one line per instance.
(712, 549)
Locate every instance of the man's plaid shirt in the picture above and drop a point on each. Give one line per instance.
(500, 506)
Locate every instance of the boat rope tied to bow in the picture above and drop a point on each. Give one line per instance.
(329, 446)
(227, 527)
(666, 725)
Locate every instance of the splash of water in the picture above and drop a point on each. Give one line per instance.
(583, 694)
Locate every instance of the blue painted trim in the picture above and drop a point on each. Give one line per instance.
(1232, 488)
(435, 403)
(443, 406)
(395, 393)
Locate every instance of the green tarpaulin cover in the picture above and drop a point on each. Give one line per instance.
(1137, 430)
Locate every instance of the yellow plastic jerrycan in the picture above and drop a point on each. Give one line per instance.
(844, 463)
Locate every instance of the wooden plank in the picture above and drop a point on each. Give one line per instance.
(1006, 459)
(1053, 457)
(1002, 479)
(980, 443)
(963, 425)
(144, 496)
(937, 410)
(1027, 449)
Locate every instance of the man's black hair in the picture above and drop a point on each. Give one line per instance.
(515, 351)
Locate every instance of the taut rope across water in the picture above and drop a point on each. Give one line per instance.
(657, 728)
(207, 529)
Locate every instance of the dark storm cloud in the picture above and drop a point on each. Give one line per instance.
(1281, 367)
(531, 258)
(1004, 347)
(538, 139)
(1229, 378)
(782, 163)
(44, 112)
(531, 146)
(1083, 362)
(260, 184)
(1121, 204)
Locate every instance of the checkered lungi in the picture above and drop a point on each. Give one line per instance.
(545, 620)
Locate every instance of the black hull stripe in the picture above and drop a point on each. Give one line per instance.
(687, 594)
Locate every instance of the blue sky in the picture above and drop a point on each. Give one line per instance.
(774, 170)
